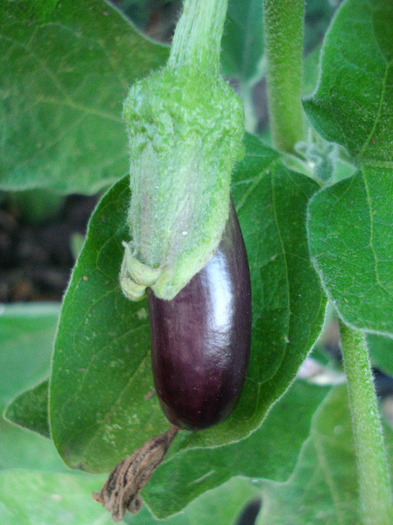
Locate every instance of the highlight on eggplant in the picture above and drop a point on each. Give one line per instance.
(201, 338)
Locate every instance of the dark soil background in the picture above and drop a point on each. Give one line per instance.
(36, 259)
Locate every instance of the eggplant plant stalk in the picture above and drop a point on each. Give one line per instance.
(374, 482)
(284, 22)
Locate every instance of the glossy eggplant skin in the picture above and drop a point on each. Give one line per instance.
(201, 338)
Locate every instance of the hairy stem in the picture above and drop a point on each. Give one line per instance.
(197, 39)
(284, 20)
(374, 482)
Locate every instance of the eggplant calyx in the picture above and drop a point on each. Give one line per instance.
(135, 276)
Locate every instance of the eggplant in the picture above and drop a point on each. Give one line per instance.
(201, 338)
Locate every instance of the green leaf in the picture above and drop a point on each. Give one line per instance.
(20, 448)
(271, 452)
(68, 500)
(353, 103)
(36, 498)
(102, 405)
(381, 352)
(65, 71)
(220, 506)
(30, 409)
(323, 488)
(317, 18)
(242, 42)
(26, 336)
(350, 239)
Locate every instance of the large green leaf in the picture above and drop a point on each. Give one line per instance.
(242, 42)
(65, 71)
(323, 488)
(353, 103)
(101, 402)
(350, 236)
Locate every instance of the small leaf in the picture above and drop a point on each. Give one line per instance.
(65, 71)
(321, 156)
(353, 103)
(242, 42)
(350, 239)
(381, 352)
(323, 488)
(30, 410)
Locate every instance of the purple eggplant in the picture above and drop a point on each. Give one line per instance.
(201, 338)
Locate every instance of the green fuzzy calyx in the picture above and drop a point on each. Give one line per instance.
(185, 129)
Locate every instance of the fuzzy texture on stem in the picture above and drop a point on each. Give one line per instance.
(186, 128)
(374, 482)
(284, 20)
(197, 40)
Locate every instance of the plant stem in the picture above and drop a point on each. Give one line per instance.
(284, 20)
(197, 39)
(374, 482)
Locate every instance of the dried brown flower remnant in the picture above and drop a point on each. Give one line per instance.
(121, 490)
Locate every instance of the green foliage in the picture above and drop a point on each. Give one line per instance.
(349, 225)
(273, 448)
(66, 68)
(34, 498)
(30, 409)
(26, 336)
(198, 470)
(242, 42)
(25, 332)
(353, 101)
(323, 487)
